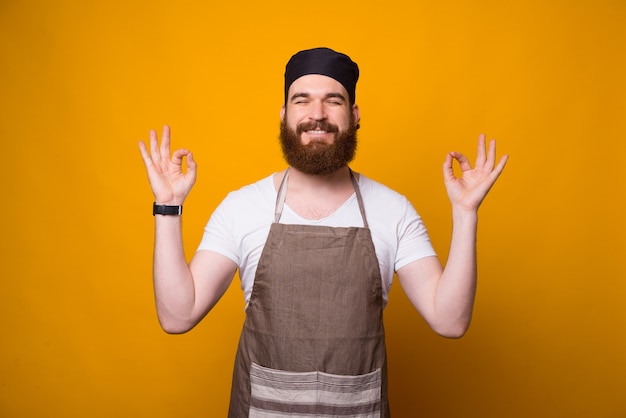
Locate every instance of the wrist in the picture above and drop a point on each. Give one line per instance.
(460, 213)
(171, 201)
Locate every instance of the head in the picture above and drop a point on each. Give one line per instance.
(319, 118)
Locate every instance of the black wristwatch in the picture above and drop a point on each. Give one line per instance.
(166, 210)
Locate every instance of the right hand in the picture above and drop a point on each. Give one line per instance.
(170, 185)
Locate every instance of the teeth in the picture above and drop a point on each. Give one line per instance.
(316, 132)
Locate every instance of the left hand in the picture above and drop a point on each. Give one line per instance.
(468, 191)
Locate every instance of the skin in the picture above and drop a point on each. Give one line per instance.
(185, 293)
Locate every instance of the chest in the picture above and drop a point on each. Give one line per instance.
(316, 207)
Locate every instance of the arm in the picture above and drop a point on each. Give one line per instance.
(184, 293)
(445, 296)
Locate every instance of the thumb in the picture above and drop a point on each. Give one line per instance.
(192, 167)
(448, 170)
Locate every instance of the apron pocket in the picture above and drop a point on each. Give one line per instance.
(278, 393)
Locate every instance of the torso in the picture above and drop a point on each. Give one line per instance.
(315, 318)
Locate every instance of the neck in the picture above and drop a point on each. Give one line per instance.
(333, 180)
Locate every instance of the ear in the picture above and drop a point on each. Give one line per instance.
(356, 114)
(282, 113)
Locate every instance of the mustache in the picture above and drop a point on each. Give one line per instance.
(317, 125)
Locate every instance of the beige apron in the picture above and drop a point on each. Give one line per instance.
(313, 343)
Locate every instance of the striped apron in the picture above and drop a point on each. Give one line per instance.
(313, 343)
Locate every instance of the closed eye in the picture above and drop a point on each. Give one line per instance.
(300, 98)
(335, 98)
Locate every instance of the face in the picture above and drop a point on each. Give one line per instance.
(318, 129)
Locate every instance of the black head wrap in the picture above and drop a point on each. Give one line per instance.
(326, 62)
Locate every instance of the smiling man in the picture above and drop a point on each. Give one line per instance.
(316, 246)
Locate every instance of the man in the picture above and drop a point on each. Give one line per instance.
(316, 246)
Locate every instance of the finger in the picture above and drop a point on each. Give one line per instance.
(191, 163)
(154, 147)
(165, 143)
(491, 155)
(448, 170)
(183, 154)
(501, 164)
(192, 167)
(480, 154)
(463, 161)
(178, 155)
(144, 153)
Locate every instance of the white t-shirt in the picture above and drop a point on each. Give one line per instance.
(239, 227)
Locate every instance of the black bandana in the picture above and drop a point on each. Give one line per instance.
(326, 62)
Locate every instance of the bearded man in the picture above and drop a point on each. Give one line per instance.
(316, 246)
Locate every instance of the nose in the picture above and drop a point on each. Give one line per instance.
(318, 111)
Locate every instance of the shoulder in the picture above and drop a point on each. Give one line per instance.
(247, 206)
(386, 208)
(376, 192)
(262, 190)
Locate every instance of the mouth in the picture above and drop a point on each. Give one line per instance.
(316, 132)
(318, 128)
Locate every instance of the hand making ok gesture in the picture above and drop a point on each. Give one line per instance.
(468, 191)
(169, 183)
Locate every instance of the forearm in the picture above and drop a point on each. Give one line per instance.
(173, 282)
(456, 289)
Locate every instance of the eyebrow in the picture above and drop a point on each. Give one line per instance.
(327, 96)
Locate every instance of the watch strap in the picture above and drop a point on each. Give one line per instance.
(166, 210)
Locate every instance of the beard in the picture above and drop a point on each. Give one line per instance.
(317, 158)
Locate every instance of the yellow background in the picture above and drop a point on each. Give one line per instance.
(82, 82)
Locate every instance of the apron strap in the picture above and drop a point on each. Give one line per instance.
(359, 199)
(282, 193)
(280, 198)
